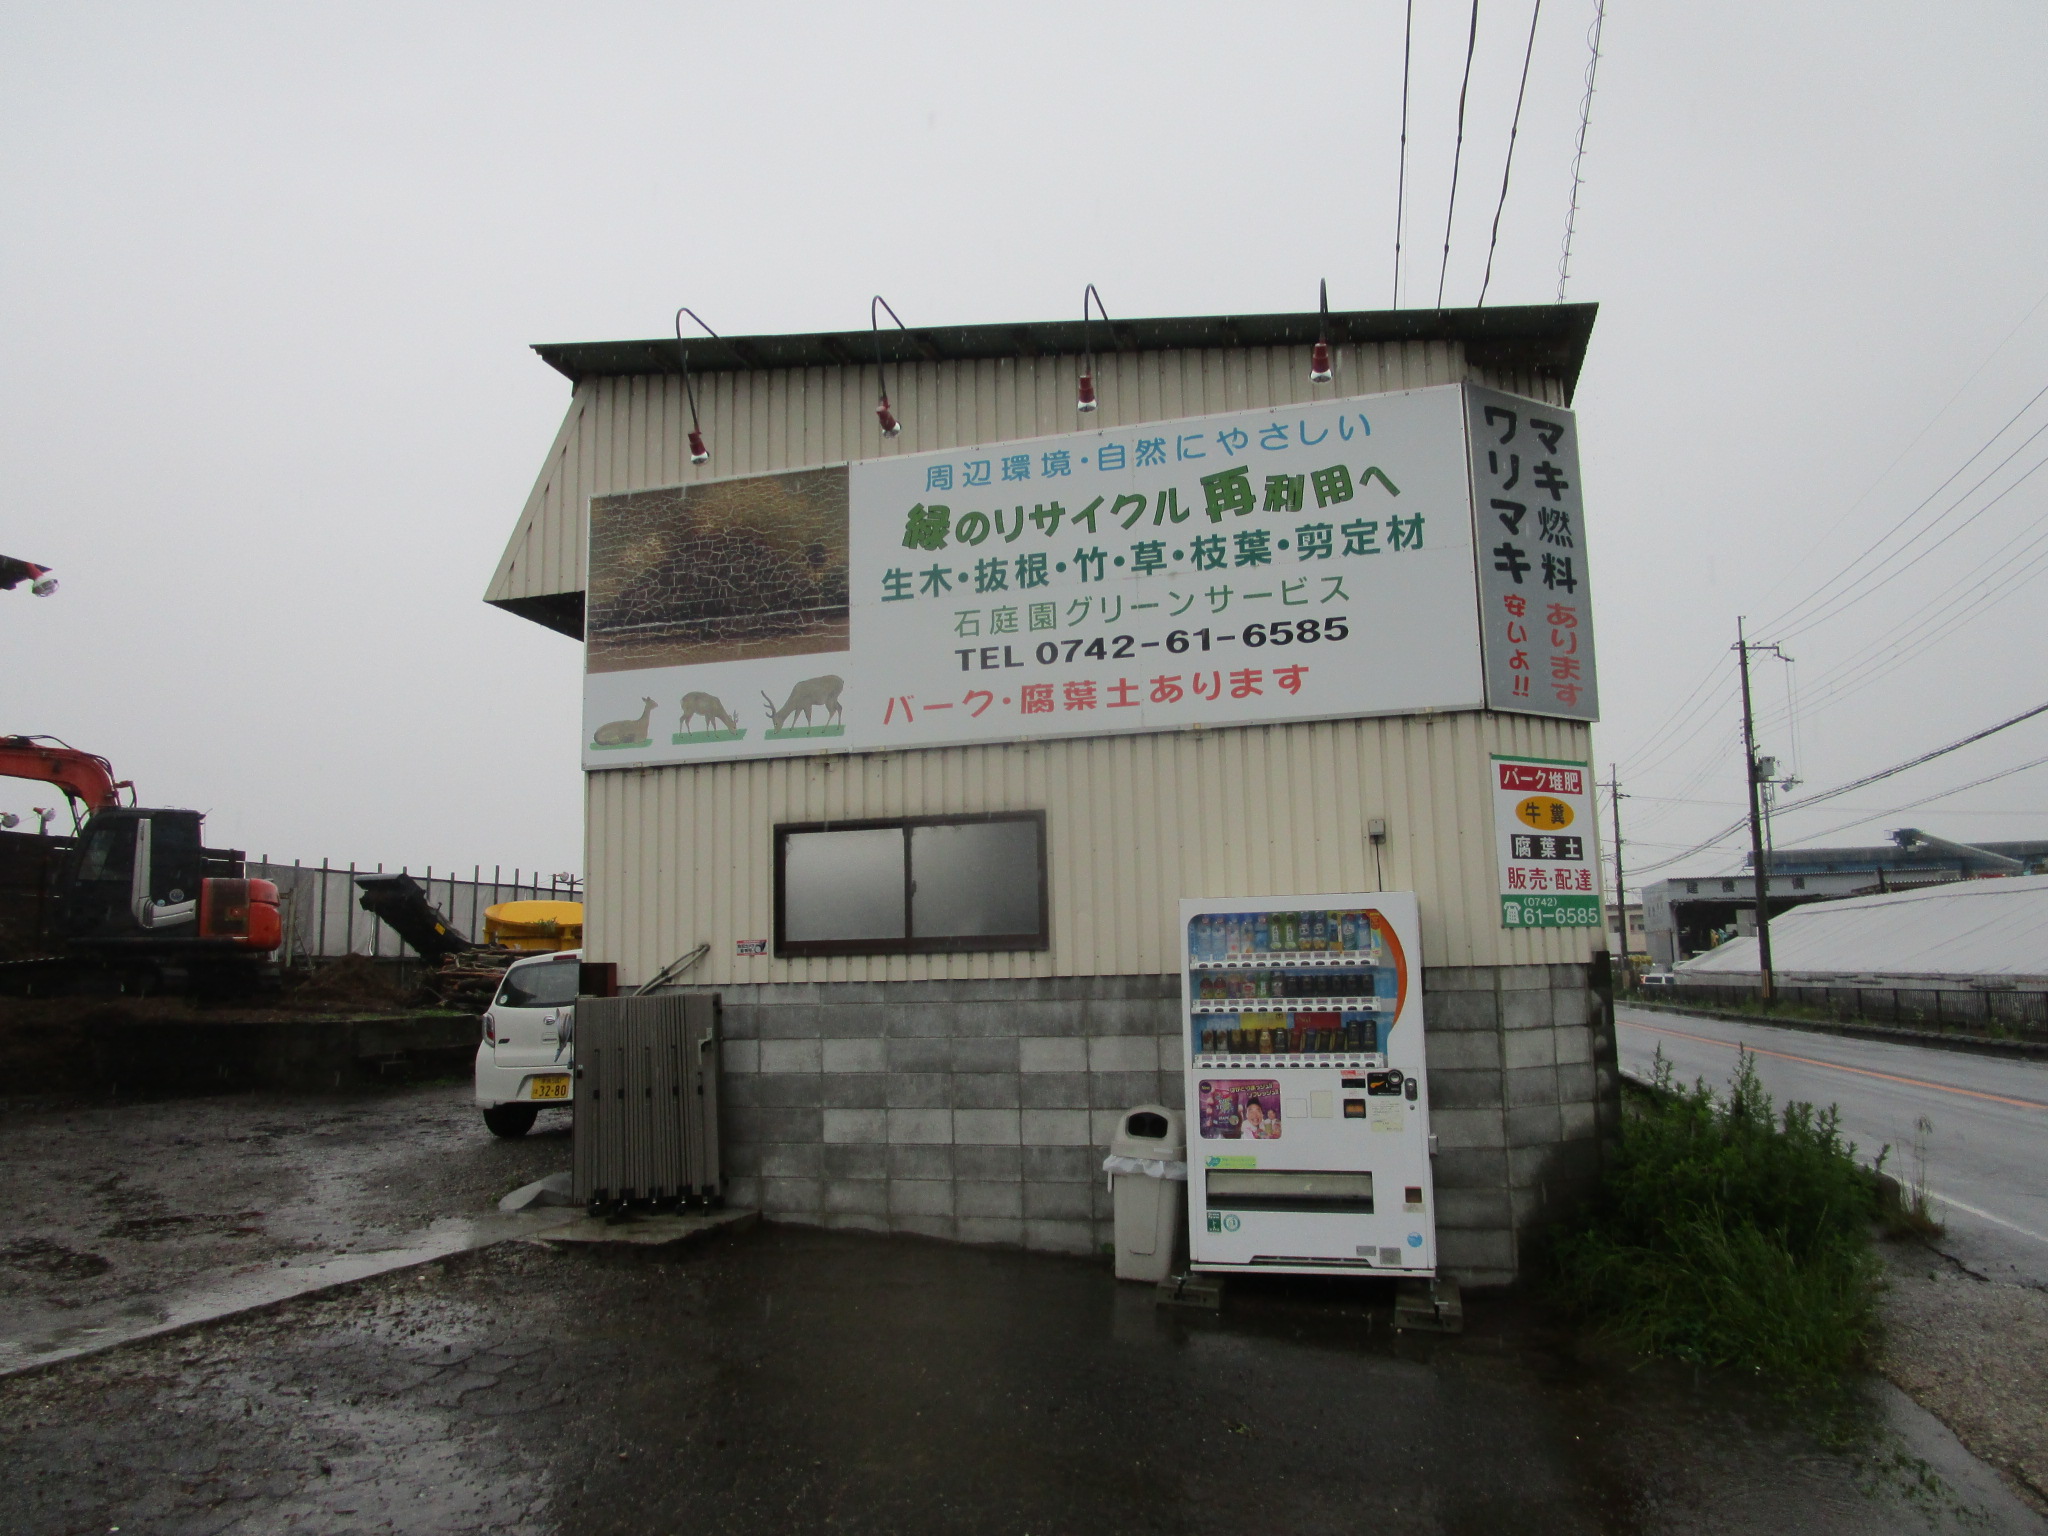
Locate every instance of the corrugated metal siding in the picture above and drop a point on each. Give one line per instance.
(625, 434)
(682, 856)
(679, 856)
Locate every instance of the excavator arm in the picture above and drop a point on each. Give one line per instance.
(83, 776)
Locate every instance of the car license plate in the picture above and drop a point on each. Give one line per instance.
(551, 1087)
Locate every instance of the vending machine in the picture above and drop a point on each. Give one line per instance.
(1307, 1093)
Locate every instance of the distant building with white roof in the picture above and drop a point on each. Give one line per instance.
(1969, 934)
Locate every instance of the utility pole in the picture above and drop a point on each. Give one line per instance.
(1766, 982)
(1620, 890)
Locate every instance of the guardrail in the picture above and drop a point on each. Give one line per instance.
(1992, 1012)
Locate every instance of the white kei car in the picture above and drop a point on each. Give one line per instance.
(527, 1059)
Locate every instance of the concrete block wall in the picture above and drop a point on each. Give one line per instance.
(973, 1110)
(981, 1110)
(1523, 1090)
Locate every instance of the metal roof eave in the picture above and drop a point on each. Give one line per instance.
(1542, 338)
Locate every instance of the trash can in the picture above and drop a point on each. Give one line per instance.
(1147, 1170)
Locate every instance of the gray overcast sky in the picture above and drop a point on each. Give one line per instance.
(268, 274)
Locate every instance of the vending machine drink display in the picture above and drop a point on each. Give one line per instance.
(1307, 1094)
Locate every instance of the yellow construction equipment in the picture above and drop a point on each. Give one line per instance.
(534, 927)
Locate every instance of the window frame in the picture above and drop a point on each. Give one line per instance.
(951, 944)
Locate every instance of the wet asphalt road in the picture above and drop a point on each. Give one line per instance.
(1984, 1148)
(791, 1378)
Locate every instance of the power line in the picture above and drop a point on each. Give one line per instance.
(1871, 581)
(1457, 155)
(1831, 598)
(1989, 778)
(1855, 784)
(1699, 719)
(1819, 594)
(1911, 636)
(1949, 404)
(1508, 165)
(1681, 714)
(1401, 191)
(1571, 217)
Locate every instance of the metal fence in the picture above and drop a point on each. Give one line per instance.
(2001, 1012)
(322, 920)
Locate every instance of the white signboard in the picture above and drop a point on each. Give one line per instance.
(1535, 591)
(1546, 842)
(1294, 563)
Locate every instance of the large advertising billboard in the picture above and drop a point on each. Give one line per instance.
(1289, 563)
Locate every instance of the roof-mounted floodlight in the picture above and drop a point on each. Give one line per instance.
(891, 427)
(699, 454)
(1085, 400)
(1319, 354)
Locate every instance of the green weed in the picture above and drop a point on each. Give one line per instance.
(1728, 1234)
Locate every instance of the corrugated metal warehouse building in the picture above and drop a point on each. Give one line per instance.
(970, 1095)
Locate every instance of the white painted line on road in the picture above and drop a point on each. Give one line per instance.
(1833, 1066)
(2010, 1226)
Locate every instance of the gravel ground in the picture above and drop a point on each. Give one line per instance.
(109, 1206)
(791, 1378)
(1974, 1353)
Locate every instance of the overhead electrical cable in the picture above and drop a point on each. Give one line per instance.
(1821, 594)
(1401, 186)
(1833, 598)
(1705, 760)
(1852, 786)
(1910, 636)
(1672, 737)
(1713, 716)
(1508, 165)
(1682, 713)
(1571, 217)
(1917, 639)
(1738, 827)
(1943, 794)
(1877, 577)
(1912, 762)
(1798, 566)
(1457, 155)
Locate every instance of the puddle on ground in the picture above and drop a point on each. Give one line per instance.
(799, 1378)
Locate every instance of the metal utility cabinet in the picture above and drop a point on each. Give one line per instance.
(1307, 1089)
(646, 1101)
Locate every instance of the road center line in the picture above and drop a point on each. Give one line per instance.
(1833, 1066)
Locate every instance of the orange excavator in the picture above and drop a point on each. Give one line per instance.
(136, 900)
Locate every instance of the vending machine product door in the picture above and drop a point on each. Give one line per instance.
(1307, 1087)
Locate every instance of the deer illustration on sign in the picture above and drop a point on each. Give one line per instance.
(719, 724)
(813, 693)
(626, 733)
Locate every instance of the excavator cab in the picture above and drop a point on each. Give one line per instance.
(142, 879)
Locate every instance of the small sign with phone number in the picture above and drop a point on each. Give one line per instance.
(1548, 877)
